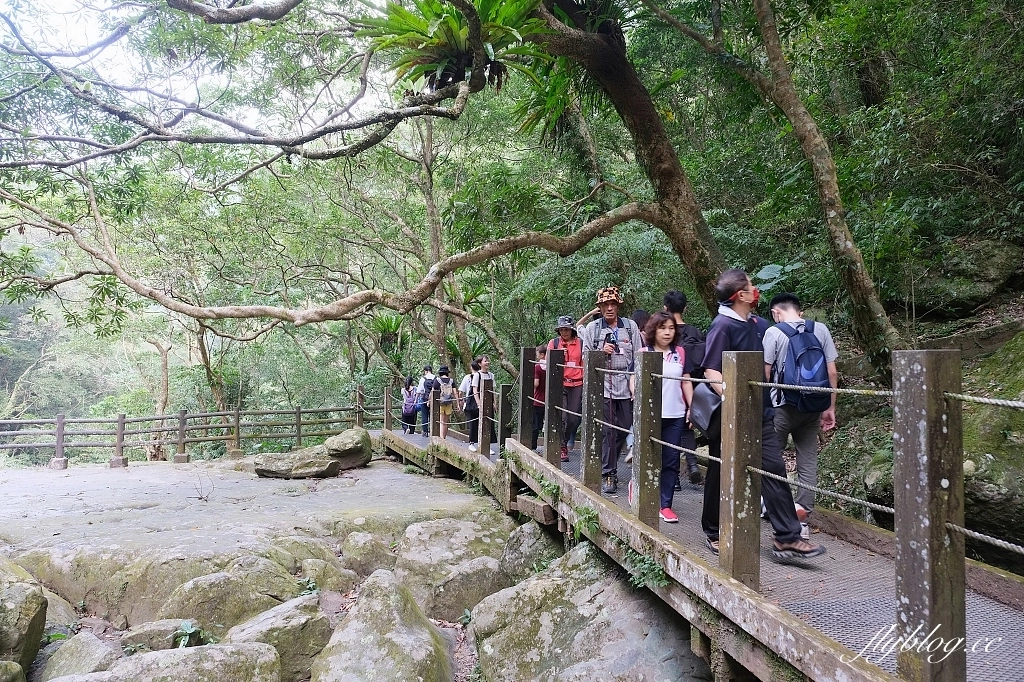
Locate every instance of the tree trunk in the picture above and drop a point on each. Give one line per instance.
(679, 214)
(214, 381)
(155, 449)
(874, 332)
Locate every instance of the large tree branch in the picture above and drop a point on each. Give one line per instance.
(352, 305)
(235, 15)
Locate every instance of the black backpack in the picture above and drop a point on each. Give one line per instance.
(805, 366)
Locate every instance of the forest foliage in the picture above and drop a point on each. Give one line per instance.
(922, 105)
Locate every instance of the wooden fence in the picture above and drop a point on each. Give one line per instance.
(182, 429)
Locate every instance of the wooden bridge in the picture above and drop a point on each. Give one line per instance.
(835, 618)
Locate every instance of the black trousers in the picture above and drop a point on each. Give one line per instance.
(778, 497)
(538, 424)
(619, 412)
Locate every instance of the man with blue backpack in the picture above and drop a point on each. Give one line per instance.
(801, 352)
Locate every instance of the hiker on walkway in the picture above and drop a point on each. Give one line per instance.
(448, 395)
(423, 391)
(572, 380)
(409, 410)
(470, 409)
(801, 415)
(676, 395)
(692, 341)
(540, 375)
(477, 388)
(736, 328)
(619, 338)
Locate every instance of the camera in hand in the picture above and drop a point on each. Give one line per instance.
(609, 338)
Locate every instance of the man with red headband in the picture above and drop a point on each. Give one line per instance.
(736, 328)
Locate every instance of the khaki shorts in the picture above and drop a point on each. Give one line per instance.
(446, 409)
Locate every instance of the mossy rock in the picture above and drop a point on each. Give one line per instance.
(580, 620)
(22, 614)
(958, 277)
(329, 577)
(11, 672)
(528, 549)
(252, 662)
(431, 550)
(364, 553)
(351, 448)
(310, 462)
(384, 637)
(83, 653)
(216, 602)
(156, 635)
(297, 629)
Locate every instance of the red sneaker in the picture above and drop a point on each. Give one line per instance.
(565, 454)
(668, 516)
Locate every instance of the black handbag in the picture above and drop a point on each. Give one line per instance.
(705, 411)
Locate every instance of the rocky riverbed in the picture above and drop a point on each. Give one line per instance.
(204, 571)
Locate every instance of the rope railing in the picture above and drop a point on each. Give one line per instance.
(822, 491)
(1002, 544)
(604, 370)
(687, 451)
(610, 425)
(815, 389)
(999, 402)
(567, 411)
(692, 380)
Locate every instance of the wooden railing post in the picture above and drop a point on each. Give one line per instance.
(504, 414)
(388, 420)
(928, 480)
(59, 461)
(360, 400)
(739, 516)
(435, 413)
(486, 412)
(526, 359)
(645, 482)
(238, 431)
(593, 401)
(119, 461)
(181, 457)
(552, 401)
(298, 427)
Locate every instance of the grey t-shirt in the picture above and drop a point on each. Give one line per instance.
(776, 344)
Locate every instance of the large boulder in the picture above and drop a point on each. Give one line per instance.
(22, 614)
(577, 621)
(253, 662)
(431, 550)
(265, 577)
(216, 602)
(156, 635)
(83, 653)
(11, 672)
(59, 611)
(465, 585)
(301, 547)
(384, 637)
(328, 576)
(351, 448)
(364, 553)
(307, 463)
(297, 629)
(959, 277)
(119, 582)
(529, 550)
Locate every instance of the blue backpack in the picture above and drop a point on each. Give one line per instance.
(805, 366)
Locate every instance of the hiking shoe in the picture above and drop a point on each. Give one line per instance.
(712, 545)
(565, 454)
(695, 475)
(668, 516)
(801, 549)
(801, 513)
(805, 531)
(609, 484)
(677, 486)
(472, 447)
